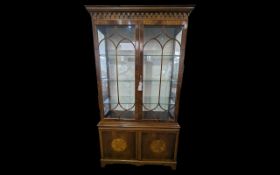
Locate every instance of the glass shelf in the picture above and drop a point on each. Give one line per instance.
(119, 55)
(164, 55)
(105, 79)
(113, 55)
(147, 100)
(157, 58)
(123, 100)
(161, 80)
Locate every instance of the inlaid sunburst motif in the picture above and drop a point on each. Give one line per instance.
(119, 144)
(158, 146)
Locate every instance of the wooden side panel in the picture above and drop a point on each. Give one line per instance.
(158, 146)
(119, 145)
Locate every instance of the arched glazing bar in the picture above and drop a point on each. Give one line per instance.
(115, 99)
(158, 106)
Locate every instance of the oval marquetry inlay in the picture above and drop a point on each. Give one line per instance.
(158, 146)
(119, 144)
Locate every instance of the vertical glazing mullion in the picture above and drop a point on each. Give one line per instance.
(139, 68)
(171, 84)
(171, 77)
(117, 73)
(108, 74)
(117, 77)
(161, 58)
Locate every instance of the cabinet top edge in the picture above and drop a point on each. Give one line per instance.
(142, 8)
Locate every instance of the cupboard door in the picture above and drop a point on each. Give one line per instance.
(119, 145)
(161, 56)
(158, 145)
(117, 50)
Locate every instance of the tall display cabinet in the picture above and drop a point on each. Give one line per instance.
(139, 57)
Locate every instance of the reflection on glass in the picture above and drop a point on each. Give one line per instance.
(160, 71)
(117, 68)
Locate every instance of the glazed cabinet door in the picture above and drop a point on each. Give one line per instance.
(117, 63)
(162, 55)
(140, 70)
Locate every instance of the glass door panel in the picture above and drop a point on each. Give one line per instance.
(162, 45)
(117, 67)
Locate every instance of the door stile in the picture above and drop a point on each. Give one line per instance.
(140, 68)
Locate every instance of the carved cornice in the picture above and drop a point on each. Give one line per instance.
(139, 12)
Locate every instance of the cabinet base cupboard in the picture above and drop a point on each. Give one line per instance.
(139, 57)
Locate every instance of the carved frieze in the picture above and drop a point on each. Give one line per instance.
(139, 15)
(155, 13)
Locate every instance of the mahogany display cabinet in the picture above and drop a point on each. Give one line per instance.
(139, 58)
